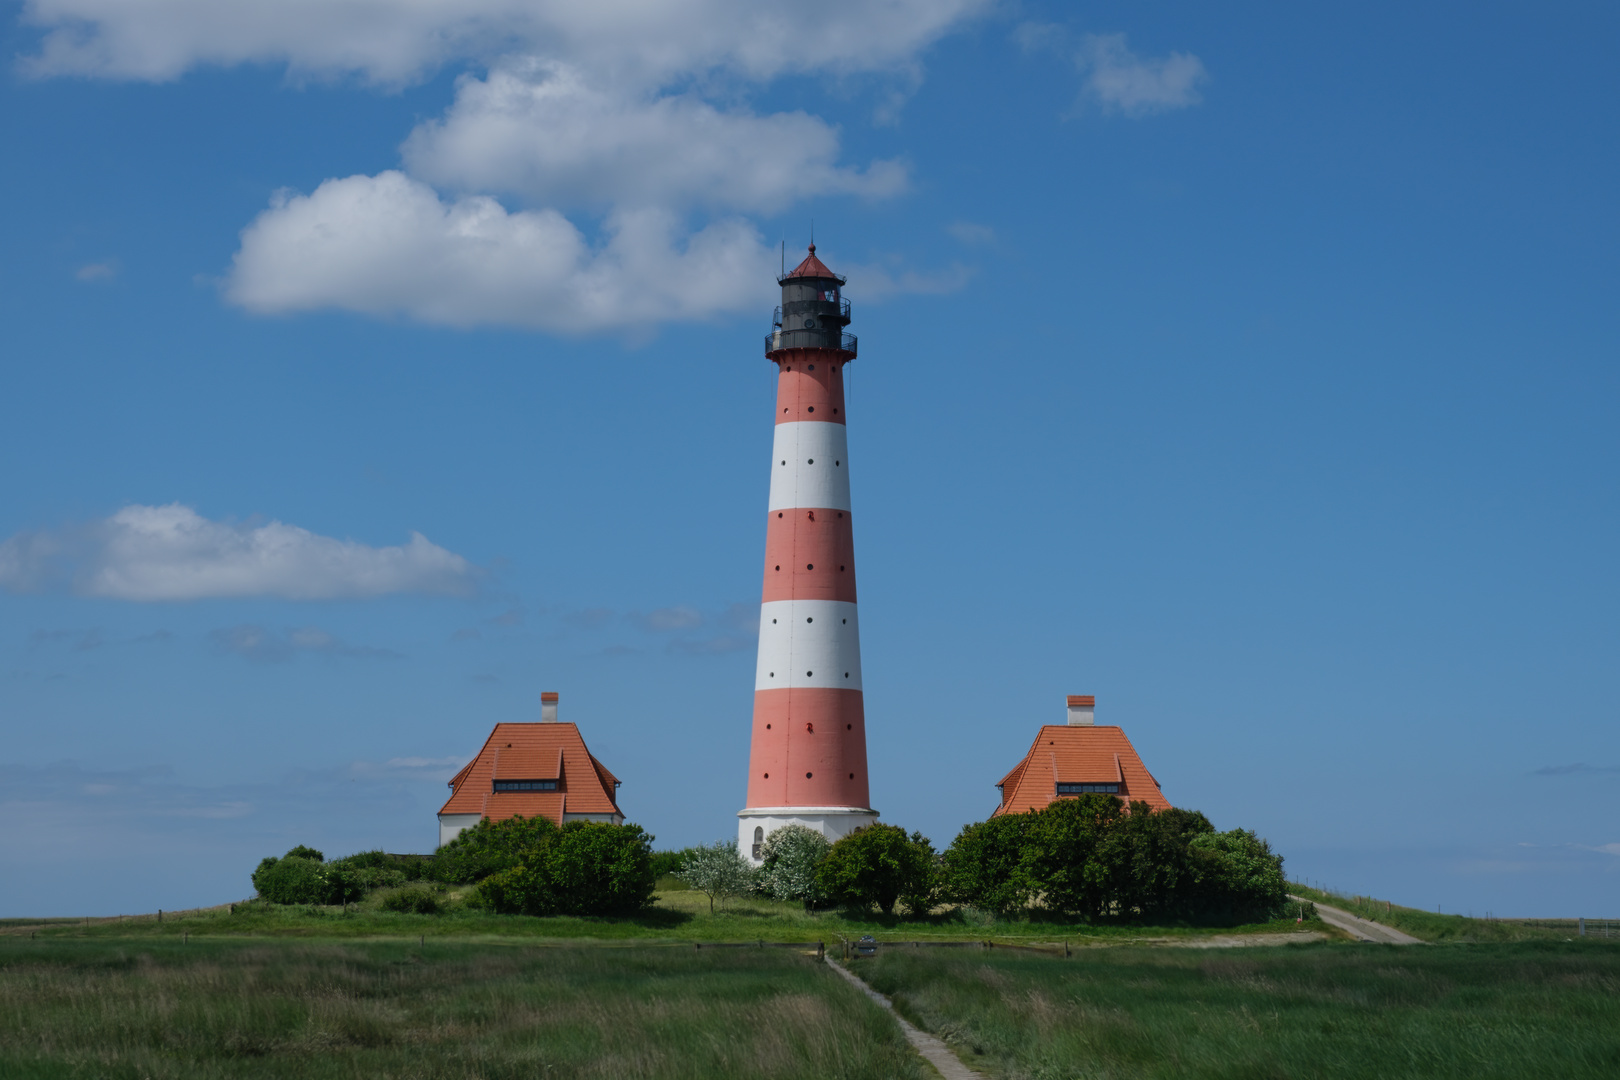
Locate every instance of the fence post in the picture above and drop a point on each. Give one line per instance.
(1580, 926)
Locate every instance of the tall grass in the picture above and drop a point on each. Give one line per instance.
(160, 1009)
(1333, 1012)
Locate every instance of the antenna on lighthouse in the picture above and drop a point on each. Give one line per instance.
(784, 256)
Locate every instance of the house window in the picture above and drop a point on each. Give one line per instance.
(1088, 789)
(525, 785)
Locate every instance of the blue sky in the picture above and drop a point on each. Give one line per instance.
(1250, 368)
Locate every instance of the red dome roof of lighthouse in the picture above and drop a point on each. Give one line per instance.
(812, 267)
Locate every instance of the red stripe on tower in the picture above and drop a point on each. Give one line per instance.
(807, 762)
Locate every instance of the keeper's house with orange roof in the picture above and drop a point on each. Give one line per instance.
(1078, 758)
(536, 770)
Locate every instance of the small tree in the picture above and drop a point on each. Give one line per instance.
(717, 870)
(1067, 842)
(879, 864)
(1239, 877)
(984, 865)
(791, 856)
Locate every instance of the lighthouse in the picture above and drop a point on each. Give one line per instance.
(807, 757)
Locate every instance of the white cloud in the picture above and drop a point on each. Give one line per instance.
(651, 41)
(541, 130)
(1120, 80)
(388, 244)
(153, 553)
(607, 108)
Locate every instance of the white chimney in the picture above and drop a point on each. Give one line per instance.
(548, 707)
(1082, 710)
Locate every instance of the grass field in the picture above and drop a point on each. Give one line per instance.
(1330, 1011)
(678, 915)
(1433, 926)
(77, 1009)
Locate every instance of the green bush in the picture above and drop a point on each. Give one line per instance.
(984, 866)
(302, 852)
(584, 868)
(490, 847)
(291, 879)
(879, 864)
(413, 901)
(1095, 858)
(669, 863)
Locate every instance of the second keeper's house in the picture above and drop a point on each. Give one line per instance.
(533, 770)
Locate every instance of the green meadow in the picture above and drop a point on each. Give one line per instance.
(678, 915)
(1325, 1011)
(73, 1008)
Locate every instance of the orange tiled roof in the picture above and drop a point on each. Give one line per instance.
(533, 752)
(1078, 754)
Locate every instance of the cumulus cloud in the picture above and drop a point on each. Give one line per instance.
(1119, 80)
(389, 245)
(631, 111)
(391, 41)
(538, 128)
(156, 553)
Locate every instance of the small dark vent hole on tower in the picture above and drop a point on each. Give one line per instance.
(808, 674)
(840, 568)
(784, 463)
(773, 622)
(812, 367)
(779, 513)
(837, 463)
(840, 513)
(809, 620)
(835, 411)
(808, 775)
(852, 776)
(846, 674)
(767, 776)
(767, 727)
(809, 566)
(779, 568)
(849, 727)
(846, 622)
(811, 409)
(810, 461)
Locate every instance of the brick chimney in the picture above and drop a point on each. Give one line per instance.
(548, 707)
(1082, 710)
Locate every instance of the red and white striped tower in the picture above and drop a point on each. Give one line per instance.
(807, 764)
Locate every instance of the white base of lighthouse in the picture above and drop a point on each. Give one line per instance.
(755, 825)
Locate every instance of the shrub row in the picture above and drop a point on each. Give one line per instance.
(1091, 857)
(522, 866)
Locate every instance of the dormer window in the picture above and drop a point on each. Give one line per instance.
(525, 785)
(1088, 789)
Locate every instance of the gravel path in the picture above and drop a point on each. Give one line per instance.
(933, 1050)
(1361, 929)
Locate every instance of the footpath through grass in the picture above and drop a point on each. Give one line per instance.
(152, 1009)
(677, 916)
(1335, 1012)
(1434, 926)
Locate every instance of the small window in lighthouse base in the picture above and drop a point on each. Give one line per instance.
(759, 841)
(1088, 789)
(525, 785)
